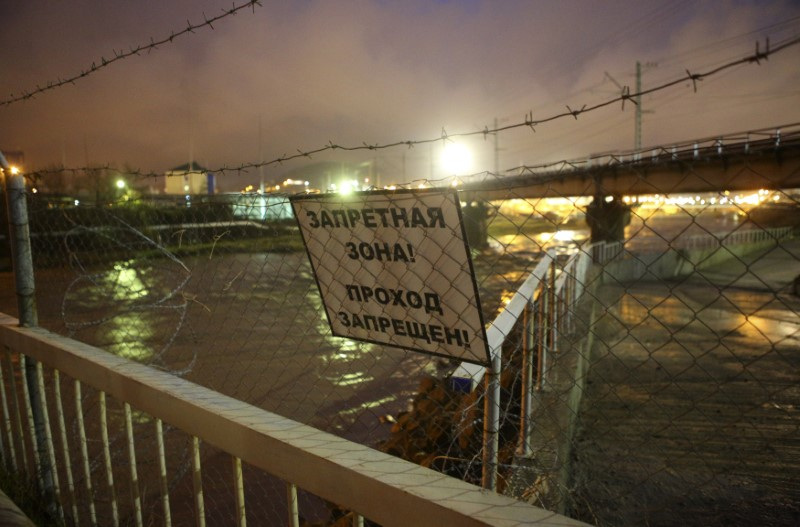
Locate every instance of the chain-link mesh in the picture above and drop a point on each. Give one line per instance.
(651, 377)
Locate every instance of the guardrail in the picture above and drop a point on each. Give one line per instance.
(386, 489)
(739, 237)
(546, 305)
(606, 252)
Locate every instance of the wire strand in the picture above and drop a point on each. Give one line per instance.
(121, 55)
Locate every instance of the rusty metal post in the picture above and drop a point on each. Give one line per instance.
(491, 424)
(540, 334)
(526, 412)
(549, 324)
(22, 264)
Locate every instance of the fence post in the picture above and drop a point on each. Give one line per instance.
(526, 413)
(22, 265)
(541, 329)
(491, 422)
(549, 324)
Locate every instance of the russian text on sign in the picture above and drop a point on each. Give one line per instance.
(394, 268)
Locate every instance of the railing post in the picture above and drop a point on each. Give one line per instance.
(291, 497)
(549, 324)
(526, 413)
(22, 264)
(491, 422)
(541, 342)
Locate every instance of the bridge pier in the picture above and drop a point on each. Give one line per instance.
(476, 223)
(607, 218)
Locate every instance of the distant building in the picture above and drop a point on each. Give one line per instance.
(189, 179)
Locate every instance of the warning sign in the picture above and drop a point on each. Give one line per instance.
(393, 268)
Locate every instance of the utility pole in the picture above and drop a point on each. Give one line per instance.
(260, 158)
(496, 150)
(637, 99)
(637, 139)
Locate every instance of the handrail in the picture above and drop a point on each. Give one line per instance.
(468, 374)
(604, 252)
(384, 488)
(738, 237)
(501, 327)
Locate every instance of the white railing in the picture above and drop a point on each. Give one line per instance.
(739, 237)
(546, 304)
(567, 289)
(606, 252)
(67, 448)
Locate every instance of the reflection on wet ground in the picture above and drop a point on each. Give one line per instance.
(690, 416)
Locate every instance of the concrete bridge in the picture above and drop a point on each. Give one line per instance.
(758, 159)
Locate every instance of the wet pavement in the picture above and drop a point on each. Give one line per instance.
(691, 413)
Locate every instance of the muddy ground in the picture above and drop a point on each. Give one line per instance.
(691, 414)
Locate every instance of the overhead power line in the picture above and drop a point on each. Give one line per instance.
(626, 95)
(134, 50)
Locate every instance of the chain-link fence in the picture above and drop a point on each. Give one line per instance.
(649, 376)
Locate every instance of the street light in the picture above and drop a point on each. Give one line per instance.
(456, 159)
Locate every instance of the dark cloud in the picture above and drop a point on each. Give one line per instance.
(371, 71)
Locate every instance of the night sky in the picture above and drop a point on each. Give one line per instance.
(309, 72)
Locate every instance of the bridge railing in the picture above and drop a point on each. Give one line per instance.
(737, 143)
(545, 303)
(739, 237)
(89, 487)
(682, 256)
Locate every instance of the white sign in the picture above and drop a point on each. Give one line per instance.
(393, 268)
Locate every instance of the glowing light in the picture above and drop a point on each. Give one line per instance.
(120, 184)
(348, 187)
(456, 158)
(14, 169)
(564, 236)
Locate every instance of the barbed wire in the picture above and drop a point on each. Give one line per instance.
(121, 55)
(528, 122)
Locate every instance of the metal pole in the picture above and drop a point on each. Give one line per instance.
(540, 334)
(22, 264)
(549, 324)
(637, 139)
(491, 422)
(19, 235)
(527, 379)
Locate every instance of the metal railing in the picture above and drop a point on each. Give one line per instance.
(545, 303)
(383, 488)
(739, 237)
(605, 252)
